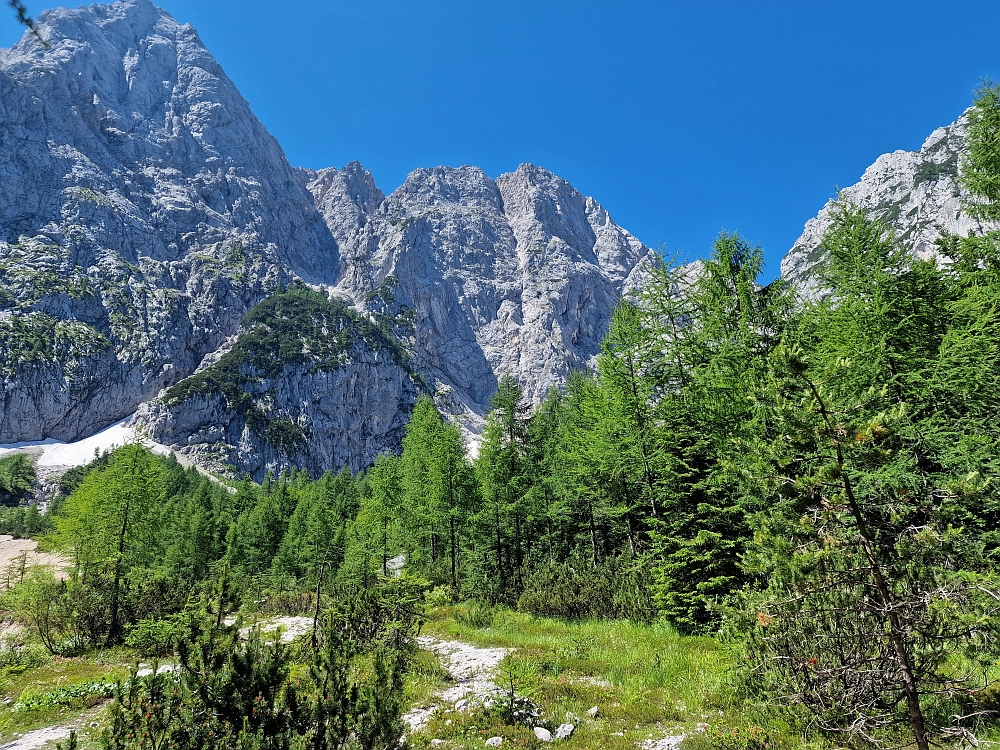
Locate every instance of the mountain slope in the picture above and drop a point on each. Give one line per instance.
(309, 382)
(915, 192)
(516, 275)
(143, 211)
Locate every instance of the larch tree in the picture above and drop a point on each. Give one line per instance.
(875, 582)
(111, 523)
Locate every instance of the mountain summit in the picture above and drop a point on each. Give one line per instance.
(145, 212)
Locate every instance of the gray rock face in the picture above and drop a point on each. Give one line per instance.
(517, 275)
(347, 416)
(341, 399)
(915, 192)
(143, 211)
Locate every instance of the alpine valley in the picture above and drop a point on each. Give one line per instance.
(159, 257)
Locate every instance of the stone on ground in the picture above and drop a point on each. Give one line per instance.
(565, 731)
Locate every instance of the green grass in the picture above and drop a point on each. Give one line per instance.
(44, 695)
(646, 680)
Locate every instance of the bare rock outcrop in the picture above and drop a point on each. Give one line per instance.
(914, 192)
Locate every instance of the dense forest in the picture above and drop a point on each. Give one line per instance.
(812, 482)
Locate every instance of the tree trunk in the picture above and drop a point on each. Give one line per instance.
(500, 571)
(115, 628)
(385, 546)
(454, 561)
(593, 532)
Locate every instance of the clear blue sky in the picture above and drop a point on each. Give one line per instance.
(681, 118)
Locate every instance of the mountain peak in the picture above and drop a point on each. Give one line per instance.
(916, 193)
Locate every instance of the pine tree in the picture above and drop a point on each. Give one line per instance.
(500, 470)
(873, 581)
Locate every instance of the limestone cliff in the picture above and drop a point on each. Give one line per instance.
(914, 192)
(145, 212)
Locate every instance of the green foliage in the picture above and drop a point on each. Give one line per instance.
(24, 522)
(82, 694)
(285, 435)
(754, 738)
(153, 637)
(575, 589)
(980, 173)
(17, 479)
(242, 692)
(876, 576)
(111, 524)
(479, 614)
(930, 171)
(39, 338)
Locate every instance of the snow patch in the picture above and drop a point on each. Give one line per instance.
(51, 453)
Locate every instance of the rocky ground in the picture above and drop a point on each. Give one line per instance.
(472, 670)
(47, 737)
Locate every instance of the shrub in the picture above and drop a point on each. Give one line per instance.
(479, 615)
(238, 691)
(754, 738)
(440, 596)
(576, 589)
(153, 637)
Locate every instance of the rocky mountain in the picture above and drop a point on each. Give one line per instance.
(914, 192)
(145, 213)
(517, 275)
(307, 379)
(144, 210)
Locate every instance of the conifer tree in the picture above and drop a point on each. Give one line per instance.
(873, 581)
(500, 470)
(111, 522)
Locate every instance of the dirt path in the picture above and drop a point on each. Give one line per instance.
(472, 669)
(48, 736)
(11, 550)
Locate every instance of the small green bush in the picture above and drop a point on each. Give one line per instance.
(440, 596)
(479, 615)
(576, 589)
(153, 637)
(754, 738)
(71, 695)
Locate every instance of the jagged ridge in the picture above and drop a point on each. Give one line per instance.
(144, 211)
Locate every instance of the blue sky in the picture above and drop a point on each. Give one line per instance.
(681, 118)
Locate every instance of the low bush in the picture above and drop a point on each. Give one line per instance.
(154, 637)
(754, 738)
(576, 589)
(479, 615)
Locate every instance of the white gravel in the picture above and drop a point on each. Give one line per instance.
(670, 742)
(472, 669)
(47, 736)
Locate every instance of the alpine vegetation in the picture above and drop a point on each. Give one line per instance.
(468, 463)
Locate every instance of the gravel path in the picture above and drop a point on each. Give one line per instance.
(472, 669)
(48, 736)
